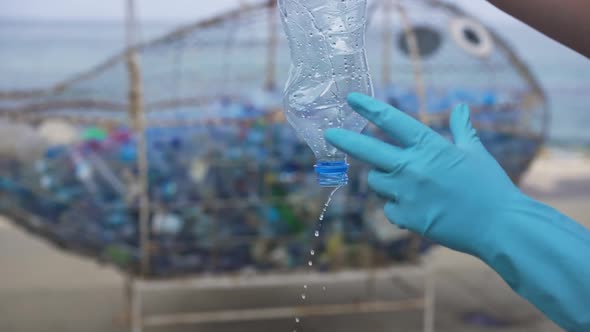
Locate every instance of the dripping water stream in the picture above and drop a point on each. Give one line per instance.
(312, 252)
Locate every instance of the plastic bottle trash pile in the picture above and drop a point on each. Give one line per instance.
(226, 197)
(234, 189)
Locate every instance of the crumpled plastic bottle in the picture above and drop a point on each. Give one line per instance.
(328, 61)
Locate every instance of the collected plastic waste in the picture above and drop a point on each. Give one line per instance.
(231, 188)
(225, 197)
(328, 61)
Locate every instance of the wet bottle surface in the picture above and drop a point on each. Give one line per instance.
(328, 61)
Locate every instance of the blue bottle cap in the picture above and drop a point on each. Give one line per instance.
(332, 173)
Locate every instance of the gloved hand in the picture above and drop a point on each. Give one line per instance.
(454, 194)
(457, 195)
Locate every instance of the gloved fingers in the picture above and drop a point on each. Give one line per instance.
(395, 215)
(384, 184)
(405, 218)
(368, 149)
(464, 134)
(405, 129)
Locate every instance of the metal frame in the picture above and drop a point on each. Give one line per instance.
(139, 321)
(136, 116)
(135, 287)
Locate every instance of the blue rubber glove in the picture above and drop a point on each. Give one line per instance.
(458, 196)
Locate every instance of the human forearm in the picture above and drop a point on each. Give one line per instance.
(545, 257)
(563, 20)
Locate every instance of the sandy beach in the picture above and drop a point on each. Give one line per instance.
(43, 289)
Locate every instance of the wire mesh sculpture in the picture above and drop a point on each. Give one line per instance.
(226, 185)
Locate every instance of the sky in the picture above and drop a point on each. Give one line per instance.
(112, 9)
(160, 10)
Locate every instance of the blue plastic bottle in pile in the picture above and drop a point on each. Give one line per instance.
(328, 61)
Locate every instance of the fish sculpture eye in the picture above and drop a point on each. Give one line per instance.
(472, 37)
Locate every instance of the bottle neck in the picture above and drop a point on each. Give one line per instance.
(332, 173)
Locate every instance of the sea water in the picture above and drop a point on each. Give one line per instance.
(69, 46)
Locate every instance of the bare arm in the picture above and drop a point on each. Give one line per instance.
(567, 21)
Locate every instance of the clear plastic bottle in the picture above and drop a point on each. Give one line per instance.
(328, 61)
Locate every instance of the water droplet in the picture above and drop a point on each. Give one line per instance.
(310, 263)
(296, 320)
(312, 252)
(324, 288)
(304, 286)
(303, 296)
(317, 233)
